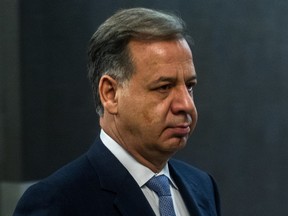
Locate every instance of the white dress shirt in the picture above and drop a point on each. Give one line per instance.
(142, 174)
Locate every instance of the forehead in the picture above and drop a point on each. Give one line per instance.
(153, 58)
(166, 50)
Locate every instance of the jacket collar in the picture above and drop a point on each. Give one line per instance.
(129, 198)
(197, 189)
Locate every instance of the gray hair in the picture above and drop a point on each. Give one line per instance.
(108, 51)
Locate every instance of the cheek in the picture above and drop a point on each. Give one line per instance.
(154, 113)
(148, 118)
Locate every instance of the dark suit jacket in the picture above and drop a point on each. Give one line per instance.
(98, 184)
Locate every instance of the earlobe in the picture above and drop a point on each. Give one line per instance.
(107, 92)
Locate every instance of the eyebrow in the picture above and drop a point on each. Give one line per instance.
(172, 79)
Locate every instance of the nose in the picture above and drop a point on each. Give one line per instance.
(183, 102)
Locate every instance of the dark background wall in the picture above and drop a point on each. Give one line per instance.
(240, 54)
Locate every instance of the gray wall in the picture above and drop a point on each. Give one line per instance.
(240, 54)
(10, 107)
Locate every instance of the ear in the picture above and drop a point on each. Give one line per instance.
(107, 92)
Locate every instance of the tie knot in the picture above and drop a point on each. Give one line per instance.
(160, 185)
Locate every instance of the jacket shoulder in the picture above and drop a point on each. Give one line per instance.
(60, 192)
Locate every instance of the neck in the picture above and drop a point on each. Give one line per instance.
(154, 160)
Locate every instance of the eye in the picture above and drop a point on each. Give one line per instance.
(190, 87)
(164, 88)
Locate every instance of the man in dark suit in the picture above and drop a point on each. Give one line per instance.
(142, 75)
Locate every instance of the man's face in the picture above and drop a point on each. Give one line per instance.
(156, 111)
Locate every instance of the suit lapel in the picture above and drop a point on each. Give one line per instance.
(187, 190)
(130, 199)
(114, 178)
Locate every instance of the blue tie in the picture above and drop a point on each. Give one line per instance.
(160, 185)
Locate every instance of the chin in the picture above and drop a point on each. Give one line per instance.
(178, 144)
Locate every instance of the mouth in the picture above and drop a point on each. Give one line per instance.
(181, 130)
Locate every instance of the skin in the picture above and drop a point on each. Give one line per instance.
(152, 114)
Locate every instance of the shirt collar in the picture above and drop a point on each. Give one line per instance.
(140, 173)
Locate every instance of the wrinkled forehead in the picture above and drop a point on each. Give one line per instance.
(155, 60)
(158, 52)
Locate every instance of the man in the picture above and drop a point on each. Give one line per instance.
(142, 74)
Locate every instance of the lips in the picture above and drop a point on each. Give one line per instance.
(180, 130)
(180, 127)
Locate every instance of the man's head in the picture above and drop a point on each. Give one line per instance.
(143, 75)
(108, 51)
